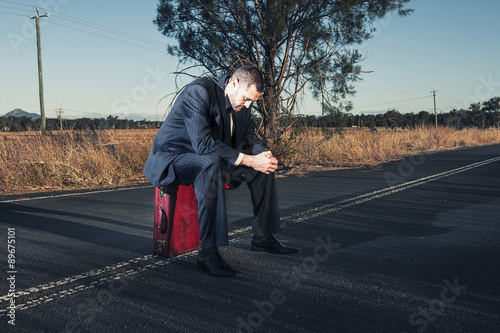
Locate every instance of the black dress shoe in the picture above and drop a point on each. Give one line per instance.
(225, 266)
(271, 244)
(215, 265)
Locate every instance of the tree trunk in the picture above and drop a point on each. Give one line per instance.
(271, 100)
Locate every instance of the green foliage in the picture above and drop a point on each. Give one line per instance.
(25, 124)
(288, 147)
(479, 115)
(296, 44)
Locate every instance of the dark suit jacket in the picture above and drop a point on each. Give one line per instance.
(199, 123)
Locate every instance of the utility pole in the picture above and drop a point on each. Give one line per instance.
(40, 77)
(435, 111)
(59, 113)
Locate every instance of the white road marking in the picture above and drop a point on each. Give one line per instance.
(75, 194)
(236, 236)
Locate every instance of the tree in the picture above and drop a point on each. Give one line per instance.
(393, 119)
(296, 44)
(456, 118)
(492, 108)
(478, 115)
(423, 119)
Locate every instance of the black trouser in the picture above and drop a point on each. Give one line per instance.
(208, 173)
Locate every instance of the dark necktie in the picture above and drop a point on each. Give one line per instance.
(232, 126)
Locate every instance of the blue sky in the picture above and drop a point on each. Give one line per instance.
(451, 46)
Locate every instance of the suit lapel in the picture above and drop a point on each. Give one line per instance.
(226, 136)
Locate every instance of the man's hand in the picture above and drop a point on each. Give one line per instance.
(264, 162)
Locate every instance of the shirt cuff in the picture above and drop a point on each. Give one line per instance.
(238, 161)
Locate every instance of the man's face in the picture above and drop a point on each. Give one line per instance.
(241, 96)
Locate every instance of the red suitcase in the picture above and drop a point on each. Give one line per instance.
(176, 228)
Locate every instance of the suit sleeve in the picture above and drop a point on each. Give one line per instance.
(253, 139)
(199, 122)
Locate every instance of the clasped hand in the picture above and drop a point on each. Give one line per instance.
(265, 162)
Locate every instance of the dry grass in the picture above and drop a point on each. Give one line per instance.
(72, 159)
(31, 162)
(366, 148)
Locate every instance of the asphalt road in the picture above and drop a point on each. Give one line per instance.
(412, 246)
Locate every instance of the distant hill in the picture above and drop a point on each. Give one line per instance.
(21, 113)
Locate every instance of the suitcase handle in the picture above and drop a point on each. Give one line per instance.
(164, 221)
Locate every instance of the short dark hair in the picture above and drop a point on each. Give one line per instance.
(249, 75)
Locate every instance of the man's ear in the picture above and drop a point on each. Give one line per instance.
(232, 86)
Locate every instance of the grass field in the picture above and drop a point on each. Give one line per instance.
(72, 159)
(368, 148)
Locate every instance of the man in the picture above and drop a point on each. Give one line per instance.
(208, 139)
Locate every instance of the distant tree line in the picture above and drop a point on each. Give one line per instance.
(479, 115)
(22, 124)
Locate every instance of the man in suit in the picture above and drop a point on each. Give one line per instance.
(209, 139)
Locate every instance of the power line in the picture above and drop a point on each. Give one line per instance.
(451, 99)
(101, 28)
(18, 9)
(103, 36)
(392, 91)
(78, 112)
(25, 11)
(93, 115)
(17, 4)
(59, 113)
(403, 100)
(108, 29)
(13, 14)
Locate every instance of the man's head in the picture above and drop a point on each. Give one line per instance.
(244, 87)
